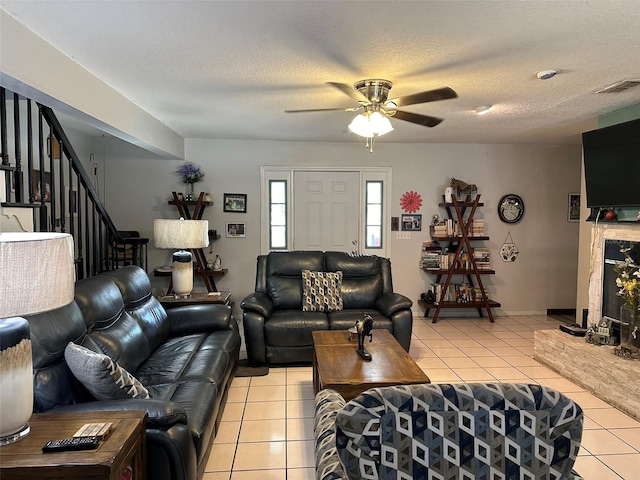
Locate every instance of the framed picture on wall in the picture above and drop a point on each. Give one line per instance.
(412, 223)
(235, 202)
(573, 208)
(53, 148)
(235, 230)
(38, 188)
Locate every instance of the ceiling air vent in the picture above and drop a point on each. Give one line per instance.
(619, 86)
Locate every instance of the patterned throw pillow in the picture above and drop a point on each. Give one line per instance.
(322, 291)
(104, 378)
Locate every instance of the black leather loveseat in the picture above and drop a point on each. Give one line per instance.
(278, 331)
(186, 357)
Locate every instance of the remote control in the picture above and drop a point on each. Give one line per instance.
(68, 444)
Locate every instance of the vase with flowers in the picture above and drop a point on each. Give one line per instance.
(191, 174)
(628, 282)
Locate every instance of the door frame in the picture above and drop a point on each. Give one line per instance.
(383, 174)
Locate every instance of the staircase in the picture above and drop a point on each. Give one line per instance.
(48, 190)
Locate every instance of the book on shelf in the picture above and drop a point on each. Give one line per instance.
(477, 228)
(457, 292)
(482, 258)
(430, 255)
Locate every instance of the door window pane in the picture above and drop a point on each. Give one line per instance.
(278, 214)
(373, 229)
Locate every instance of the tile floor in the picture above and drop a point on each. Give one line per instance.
(267, 426)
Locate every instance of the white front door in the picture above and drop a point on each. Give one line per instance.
(326, 209)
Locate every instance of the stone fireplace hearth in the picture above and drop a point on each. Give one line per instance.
(595, 368)
(614, 379)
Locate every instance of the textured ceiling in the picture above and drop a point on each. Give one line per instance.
(229, 69)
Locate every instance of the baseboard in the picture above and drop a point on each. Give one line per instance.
(561, 311)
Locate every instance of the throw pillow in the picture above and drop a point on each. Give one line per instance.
(104, 378)
(322, 291)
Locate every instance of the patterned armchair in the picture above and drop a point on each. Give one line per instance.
(488, 431)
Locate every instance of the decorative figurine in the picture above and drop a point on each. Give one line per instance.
(364, 327)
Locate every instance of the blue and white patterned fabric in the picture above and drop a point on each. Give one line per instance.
(477, 431)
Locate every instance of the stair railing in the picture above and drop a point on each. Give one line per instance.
(59, 191)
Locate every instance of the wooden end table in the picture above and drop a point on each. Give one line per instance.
(337, 365)
(125, 446)
(170, 301)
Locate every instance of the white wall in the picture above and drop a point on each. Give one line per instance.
(542, 277)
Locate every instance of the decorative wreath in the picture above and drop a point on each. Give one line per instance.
(410, 202)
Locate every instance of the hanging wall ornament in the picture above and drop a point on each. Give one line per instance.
(410, 202)
(509, 251)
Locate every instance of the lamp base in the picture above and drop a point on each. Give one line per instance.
(182, 274)
(14, 437)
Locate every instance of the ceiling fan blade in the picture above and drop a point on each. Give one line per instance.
(423, 97)
(424, 120)
(350, 91)
(340, 109)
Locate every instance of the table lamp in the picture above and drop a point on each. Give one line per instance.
(181, 234)
(36, 275)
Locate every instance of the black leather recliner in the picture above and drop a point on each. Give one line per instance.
(276, 329)
(185, 356)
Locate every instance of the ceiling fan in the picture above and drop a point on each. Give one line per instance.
(372, 96)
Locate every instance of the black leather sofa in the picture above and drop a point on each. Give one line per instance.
(186, 357)
(276, 329)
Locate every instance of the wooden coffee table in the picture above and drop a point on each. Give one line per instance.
(337, 365)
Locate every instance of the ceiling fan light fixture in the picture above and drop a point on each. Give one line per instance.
(380, 124)
(370, 125)
(360, 126)
(483, 109)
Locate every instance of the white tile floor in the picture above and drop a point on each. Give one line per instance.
(267, 426)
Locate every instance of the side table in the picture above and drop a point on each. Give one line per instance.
(124, 448)
(170, 301)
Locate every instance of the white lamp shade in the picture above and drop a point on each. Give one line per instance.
(360, 126)
(370, 125)
(180, 233)
(36, 272)
(379, 124)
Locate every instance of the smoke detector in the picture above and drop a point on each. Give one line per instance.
(546, 74)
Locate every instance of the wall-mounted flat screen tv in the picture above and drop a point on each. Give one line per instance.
(612, 165)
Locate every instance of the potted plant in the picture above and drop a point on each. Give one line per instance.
(191, 174)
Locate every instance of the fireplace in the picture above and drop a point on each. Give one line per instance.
(607, 240)
(611, 301)
(614, 379)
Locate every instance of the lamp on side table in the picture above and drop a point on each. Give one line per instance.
(36, 275)
(181, 234)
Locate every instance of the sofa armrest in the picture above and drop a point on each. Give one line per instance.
(328, 404)
(191, 319)
(390, 303)
(160, 413)
(258, 302)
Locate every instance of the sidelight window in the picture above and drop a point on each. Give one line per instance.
(373, 227)
(277, 214)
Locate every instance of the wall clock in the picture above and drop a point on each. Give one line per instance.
(511, 208)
